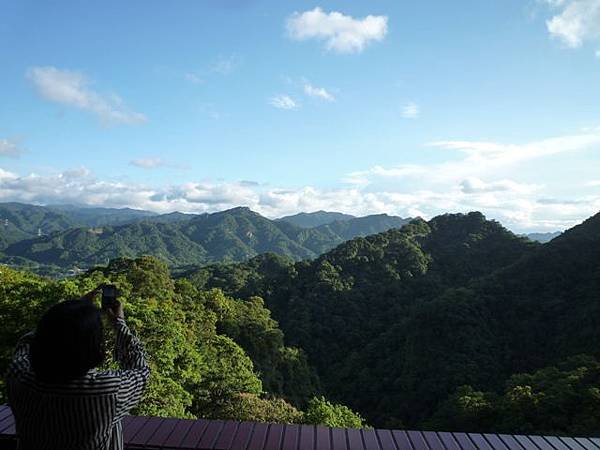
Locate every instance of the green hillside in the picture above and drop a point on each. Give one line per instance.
(428, 326)
(453, 323)
(96, 216)
(181, 240)
(211, 356)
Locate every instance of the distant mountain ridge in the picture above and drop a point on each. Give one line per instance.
(93, 236)
(315, 219)
(451, 323)
(543, 237)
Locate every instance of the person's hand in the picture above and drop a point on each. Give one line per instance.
(114, 311)
(91, 296)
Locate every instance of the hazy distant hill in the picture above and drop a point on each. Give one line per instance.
(315, 219)
(228, 236)
(20, 221)
(94, 217)
(543, 237)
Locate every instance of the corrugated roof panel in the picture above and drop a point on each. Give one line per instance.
(163, 432)
(449, 441)
(512, 443)
(588, 444)
(496, 442)
(417, 440)
(227, 434)
(194, 434)
(242, 436)
(259, 436)
(556, 443)
(134, 425)
(274, 438)
(290, 437)
(307, 437)
(211, 434)
(323, 441)
(354, 439)
(572, 443)
(433, 440)
(386, 440)
(464, 441)
(480, 441)
(145, 432)
(370, 440)
(179, 433)
(402, 440)
(539, 441)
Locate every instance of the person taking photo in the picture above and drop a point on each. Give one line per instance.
(58, 396)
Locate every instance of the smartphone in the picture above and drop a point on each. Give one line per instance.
(109, 295)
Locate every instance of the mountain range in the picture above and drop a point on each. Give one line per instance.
(67, 236)
(455, 323)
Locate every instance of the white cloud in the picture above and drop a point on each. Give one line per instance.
(477, 186)
(10, 148)
(72, 89)
(598, 53)
(514, 204)
(193, 78)
(481, 176)
(410, 111)
(226, 65)
(363, 178)
(483, 156)
(578, 22)
(480, 159)
(283, 102)
(341, 33)
(148, 163)
(321, 93)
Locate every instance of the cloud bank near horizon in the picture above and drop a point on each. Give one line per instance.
(474, 181)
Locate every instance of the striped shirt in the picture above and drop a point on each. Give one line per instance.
(84, 413)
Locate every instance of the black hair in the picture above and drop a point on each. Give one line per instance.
(68, 342)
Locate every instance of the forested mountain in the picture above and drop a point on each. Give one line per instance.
(431, 325)
(96, 216)
(211, 355)
(315, 219)
(19, 221)
(455, 323)
(229, 236)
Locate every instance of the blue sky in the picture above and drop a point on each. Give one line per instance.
(409, 108)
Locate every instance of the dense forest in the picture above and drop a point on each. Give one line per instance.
(453, 323)
(211, 355)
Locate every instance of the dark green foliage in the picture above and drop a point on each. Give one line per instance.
(395, 323)
(211, 356)
(321, 411)
(454, 323)
(561, 399)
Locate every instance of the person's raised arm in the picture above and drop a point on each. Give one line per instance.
(130, 355)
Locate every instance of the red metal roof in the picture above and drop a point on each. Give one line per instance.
(172, 434)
